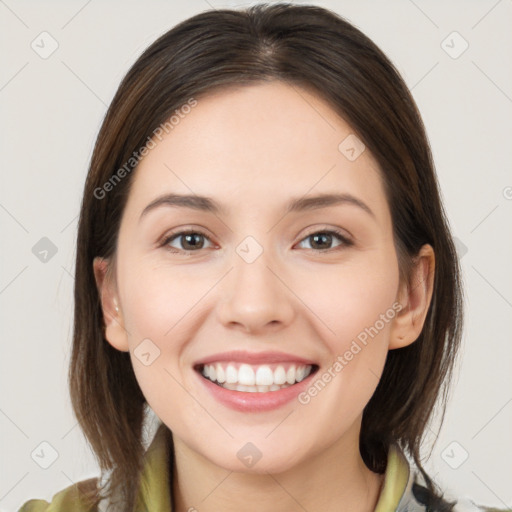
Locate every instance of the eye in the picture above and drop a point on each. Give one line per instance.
(325, 237)
(192, 241)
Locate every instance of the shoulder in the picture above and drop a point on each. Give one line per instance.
(426, 499)
(424, 494)
(408, 488)
(72, 498)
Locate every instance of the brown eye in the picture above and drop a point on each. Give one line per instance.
(188, 241)
(322, 240)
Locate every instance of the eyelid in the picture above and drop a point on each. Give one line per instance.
(343, 233)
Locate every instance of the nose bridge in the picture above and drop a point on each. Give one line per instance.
(253, 295)
(252, 266)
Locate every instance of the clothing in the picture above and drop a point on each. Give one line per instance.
(404, 488)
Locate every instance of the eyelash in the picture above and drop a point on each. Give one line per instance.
(345, 241)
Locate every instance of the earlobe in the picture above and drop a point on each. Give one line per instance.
(115, 332)
(414, 297)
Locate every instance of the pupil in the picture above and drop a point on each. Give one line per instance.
(192, 236)
(322, 235)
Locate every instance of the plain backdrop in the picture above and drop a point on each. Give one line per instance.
(456, 58)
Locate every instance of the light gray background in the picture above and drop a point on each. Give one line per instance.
(51, 112)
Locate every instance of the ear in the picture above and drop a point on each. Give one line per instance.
(414, 296)
(115, 333)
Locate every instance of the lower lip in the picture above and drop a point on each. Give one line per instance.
(255, 402)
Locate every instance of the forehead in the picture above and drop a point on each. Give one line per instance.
(256, 145)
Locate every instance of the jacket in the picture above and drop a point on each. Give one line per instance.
(404, 488)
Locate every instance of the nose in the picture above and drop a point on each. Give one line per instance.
(255, 297)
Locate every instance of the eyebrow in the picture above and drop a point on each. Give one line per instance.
(207, 204)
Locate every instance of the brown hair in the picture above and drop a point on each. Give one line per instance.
(306, 46)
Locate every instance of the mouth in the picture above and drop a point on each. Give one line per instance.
(255, 378)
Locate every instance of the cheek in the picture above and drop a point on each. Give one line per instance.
(356, 304)
(157, 300)
(353, 297)
(361, 316)
(155, 307)
(159, 308)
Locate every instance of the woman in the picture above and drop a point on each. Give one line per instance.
(264, 262)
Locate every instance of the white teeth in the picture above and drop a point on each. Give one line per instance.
(256, 389)
(231, 374)
(290, 375)
(264, 376)
(255, 378)
(253, 389)
(279, 375)
(247, 389)
(246, 375)
(221, 375)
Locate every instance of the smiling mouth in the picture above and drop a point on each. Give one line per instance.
(249, 378)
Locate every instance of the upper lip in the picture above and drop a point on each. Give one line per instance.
(243, 356)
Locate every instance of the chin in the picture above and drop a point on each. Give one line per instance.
(248, 459)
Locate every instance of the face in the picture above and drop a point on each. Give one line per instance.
(319, 284)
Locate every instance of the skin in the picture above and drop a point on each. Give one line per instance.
(252, 149)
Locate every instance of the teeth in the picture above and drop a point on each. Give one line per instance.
(231, 374)
(264, 376)
(255, 378)
(221, 375)
(246, 375)
(254, 389)
(290, 375)
(279, 375)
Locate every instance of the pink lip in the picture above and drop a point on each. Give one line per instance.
(243, 356)
(255, 402)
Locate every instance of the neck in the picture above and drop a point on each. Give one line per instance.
(333, 480)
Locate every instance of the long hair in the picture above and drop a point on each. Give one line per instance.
(306, 46)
